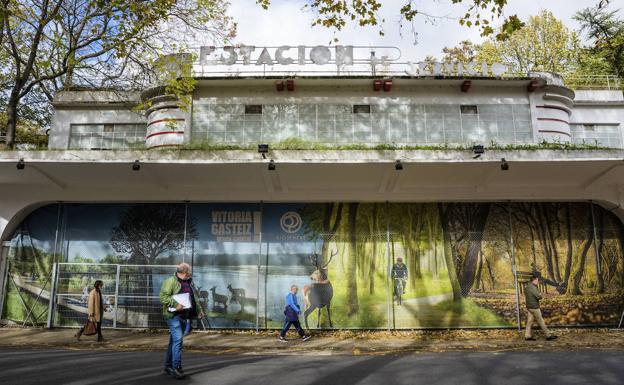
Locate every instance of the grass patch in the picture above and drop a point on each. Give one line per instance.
(15, 311)
(447, 314)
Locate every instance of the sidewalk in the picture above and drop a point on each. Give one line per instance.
(323, 343)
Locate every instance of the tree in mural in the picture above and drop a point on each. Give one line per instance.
(462, 227)
(352, 287)
(149, 231)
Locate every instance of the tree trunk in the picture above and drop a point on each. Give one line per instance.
(551, 238)
(599, 277)
(568, 264)
(329, 229)
(373, 229)
(479, 280)
(352, 293)
(11, 120)
(579, 267)
(544, 241)
(448, 254)
(491, 274)
(475, 229)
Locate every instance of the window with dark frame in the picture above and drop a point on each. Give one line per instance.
(253, 108)
(361, 108)
(469, 109)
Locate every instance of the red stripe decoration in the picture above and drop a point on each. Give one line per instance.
(556, 132)
(164, 133)
(553, 120)
(166, 120)
(554, 108)
(165, 145)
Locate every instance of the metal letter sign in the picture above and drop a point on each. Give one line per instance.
(283, 55)
(287, 55)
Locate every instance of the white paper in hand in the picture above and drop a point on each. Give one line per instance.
(183, 299)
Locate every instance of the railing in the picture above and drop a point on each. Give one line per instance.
(593, 82)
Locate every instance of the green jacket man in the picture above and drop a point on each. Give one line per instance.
(169, 288)
(178, 320)
(532, 297)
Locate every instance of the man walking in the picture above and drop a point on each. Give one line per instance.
(177, 316)
(291, 313)
(533, 296)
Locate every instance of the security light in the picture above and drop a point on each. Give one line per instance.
(271, 165)
(398, 165)
(504, 165)
(136, 166)
(263, 149)
(20, 164)
(478, 150)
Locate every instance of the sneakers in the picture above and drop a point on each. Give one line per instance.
(306, 337)
(550, 338)
(178, 374)
(282, 339)
(529, 339)
(168, 371)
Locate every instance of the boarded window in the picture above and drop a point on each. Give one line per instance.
(469, 109)
(361, 109)
(253, 108)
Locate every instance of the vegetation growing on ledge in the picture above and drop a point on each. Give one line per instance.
(299, 144)
(302, 145)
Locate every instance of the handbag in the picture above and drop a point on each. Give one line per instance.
(89, 328)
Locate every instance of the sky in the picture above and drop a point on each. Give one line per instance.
(285, 23)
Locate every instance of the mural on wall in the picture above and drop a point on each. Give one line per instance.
(358, 265)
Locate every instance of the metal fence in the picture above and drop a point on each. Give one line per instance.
(129, 293)
(467, 265)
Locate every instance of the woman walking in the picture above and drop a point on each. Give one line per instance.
(95, 308)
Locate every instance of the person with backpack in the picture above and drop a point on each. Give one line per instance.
(291, 314)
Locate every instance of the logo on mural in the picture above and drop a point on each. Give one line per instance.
(291, 222)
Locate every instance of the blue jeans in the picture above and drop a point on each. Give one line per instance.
(177, 326)
(297, 326)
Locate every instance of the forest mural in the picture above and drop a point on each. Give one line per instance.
(358, 265)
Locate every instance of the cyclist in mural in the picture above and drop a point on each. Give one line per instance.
(178, 315)
(532, 297)
(291, 314)
(399, 278)
(95, 310)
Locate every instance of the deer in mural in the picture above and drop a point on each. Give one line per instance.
(319, 293)
(218, 298)
(237, 294)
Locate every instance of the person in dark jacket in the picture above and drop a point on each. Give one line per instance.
(399, 277)
(532, 298)
(95, 310)
(291, 313)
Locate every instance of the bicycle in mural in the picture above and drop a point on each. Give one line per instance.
(465, 263)
(399, 289)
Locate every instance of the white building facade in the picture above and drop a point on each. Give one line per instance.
(365, 169)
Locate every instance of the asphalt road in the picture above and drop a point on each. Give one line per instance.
(72, 367)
